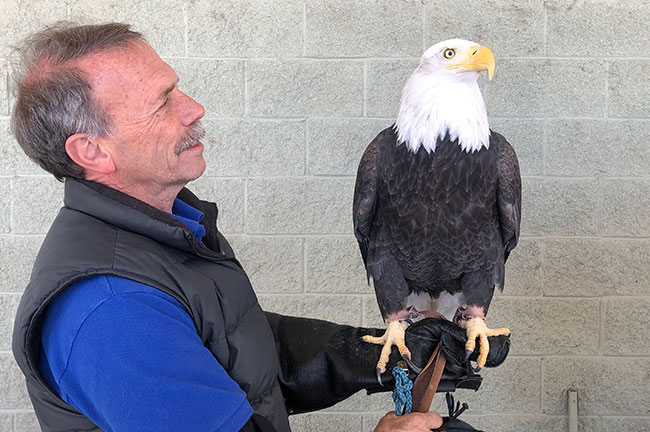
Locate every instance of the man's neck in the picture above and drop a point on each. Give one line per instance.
(158, 196)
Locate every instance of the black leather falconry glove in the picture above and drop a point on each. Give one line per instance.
(323, 363)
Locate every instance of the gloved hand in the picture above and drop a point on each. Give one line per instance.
(323, 363)
(452, 338)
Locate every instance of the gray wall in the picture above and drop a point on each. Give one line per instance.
(294, 90)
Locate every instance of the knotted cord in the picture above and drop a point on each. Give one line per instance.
(402, 393)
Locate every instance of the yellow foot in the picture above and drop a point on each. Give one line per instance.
(476, 327)
(394, 336)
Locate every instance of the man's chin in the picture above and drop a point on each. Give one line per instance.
(197, 171)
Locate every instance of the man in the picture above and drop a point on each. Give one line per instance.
(138, 315)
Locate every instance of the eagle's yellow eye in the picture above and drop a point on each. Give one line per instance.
(449, 53)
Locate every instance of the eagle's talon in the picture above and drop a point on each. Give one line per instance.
(411, 365)
(468, 354)
(476, 329)
(394, 335)
(379, 372)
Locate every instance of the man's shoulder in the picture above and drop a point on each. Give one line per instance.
(79, 300)
(71, 309)
(75, 237)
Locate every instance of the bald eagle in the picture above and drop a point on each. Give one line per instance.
(437, 202)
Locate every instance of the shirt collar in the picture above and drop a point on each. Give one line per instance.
(190, 216)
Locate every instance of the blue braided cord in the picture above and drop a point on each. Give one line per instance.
(402, 392)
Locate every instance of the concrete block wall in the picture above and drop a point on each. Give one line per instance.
(294, 90)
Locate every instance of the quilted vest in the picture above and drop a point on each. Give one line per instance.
(101, 231)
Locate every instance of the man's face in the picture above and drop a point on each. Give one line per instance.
(154, 141)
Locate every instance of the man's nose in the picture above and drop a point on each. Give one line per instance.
(190, 110)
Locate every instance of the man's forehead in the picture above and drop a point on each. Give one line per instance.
(131, 56)
(137, 69)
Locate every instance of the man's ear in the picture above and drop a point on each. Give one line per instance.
(90, 154)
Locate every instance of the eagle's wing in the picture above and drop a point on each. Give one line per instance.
(508, 193)
(365, 197)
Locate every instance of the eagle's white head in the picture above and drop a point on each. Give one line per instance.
(442, 97)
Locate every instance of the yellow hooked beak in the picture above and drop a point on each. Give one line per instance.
(479, 58)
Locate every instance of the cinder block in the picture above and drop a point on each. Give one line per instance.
(381, 28)
(299, 206)
(6, 421)
(363, 402)
(326, 422)
(597, 148)
(592, 29)
(539, 326)
(14, 159)
(10, 86)
(523, 269)
(234, 28)
(514, 387)
(254, 148)
(273, 264)
(526, 422)
(591, 424)
(20, 18)
(607, 386)
(626, 326)
(229, 195)
(541, 88)
(629, 90)
(385, 80)
(342, 309)
(589, 267)
(559, 207)
(508, 29)
(617, 424)
(625, 205)
(13, 393)
(527, 138)
(370, 420)
(160, 21)
(8, 308)
(4, 101)
(5, 205)
(27, 422)
(218, 85)
(371, 315)
(304, 88)
(335, 146)
(36, 201)
(334, 265)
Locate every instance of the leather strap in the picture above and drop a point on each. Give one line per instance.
(426, 384)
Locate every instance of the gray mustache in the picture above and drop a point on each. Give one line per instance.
(195, 133)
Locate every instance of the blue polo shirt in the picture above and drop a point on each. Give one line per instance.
(128, 356)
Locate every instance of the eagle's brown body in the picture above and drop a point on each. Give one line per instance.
(436, 222)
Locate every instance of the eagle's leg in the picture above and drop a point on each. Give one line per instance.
(472, 319)
(394, 335)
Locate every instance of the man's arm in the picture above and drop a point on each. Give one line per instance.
(323, 363)
(129, 358)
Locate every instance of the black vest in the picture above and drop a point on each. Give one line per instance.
(102, 231)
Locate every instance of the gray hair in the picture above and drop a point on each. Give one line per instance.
(54, 99)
